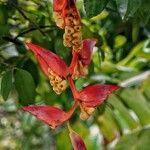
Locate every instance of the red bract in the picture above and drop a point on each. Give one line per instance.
(52, 65)
(81, 59)
(50, 115)
(86, 52)
(92, 96)
(76, 140)
(58, 5)
(48, 59)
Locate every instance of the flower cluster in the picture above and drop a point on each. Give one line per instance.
(67, 17)
(60, 75)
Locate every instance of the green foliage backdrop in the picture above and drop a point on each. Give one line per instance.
(122, 56)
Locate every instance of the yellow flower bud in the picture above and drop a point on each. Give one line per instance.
(51, 77)
(84, 116)
(77, 35)
(69, 30)
(58, 79)
(90, 110)
(76, 22)
(62, 85)
(67, 43)
(51, 72)
(67, 37)
(77, 28)
(69, 21)
(58, 91)
(52, 82)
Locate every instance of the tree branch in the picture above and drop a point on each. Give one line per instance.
(15, 39)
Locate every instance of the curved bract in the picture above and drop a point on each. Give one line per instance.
(77, 141)
(94, 95)
(86, 51)
(48, 59)
(50, 115)
(58, 5)
(81, 59)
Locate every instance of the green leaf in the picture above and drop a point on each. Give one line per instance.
(127, 8)
(122, 6)
(141, 138)
(116, 103)
(109, 130)
(6, 84)
(143, 13)
(133, 52)
(127, 142)
(137, 102)
(94, 7)
(31, 67)
(25, 87)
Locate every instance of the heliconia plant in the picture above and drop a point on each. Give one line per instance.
(62, 76)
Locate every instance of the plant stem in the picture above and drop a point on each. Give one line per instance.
(73, 88)
(71, 111)
(73, 62)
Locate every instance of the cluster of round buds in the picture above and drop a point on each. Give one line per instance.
(58, 84)
(72, 36)
(86, 112)
(59, 19)
(79, 70)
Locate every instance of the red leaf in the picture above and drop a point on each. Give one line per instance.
(47, 59)
(50, 115)
(58, 5)
(86, 52)
(94, 95)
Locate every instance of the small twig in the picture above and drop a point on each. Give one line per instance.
(33, 29)
(27, 18)
(15, 39)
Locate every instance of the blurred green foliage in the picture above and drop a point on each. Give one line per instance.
(122, 56)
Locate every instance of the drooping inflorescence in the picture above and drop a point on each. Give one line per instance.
(59, 74)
